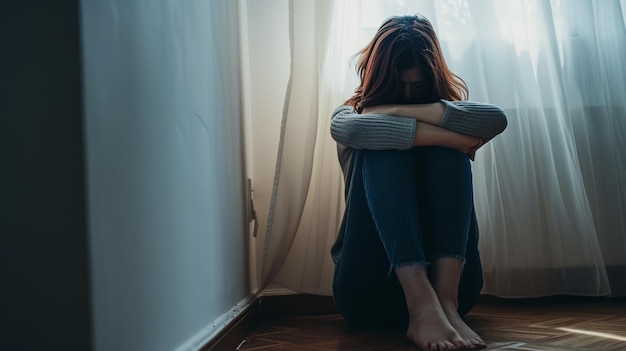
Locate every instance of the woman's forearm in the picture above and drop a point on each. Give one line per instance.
(427, 113)
(428, 131)
(466, 117)
(395, 126)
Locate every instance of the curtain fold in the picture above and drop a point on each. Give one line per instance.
(304, 199)
(550, 191)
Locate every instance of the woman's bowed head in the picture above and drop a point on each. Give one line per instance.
(407, 249)
(403, 64)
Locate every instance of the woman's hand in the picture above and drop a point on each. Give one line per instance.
(465, 144)
(472, 152)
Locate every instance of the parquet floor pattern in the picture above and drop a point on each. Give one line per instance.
(597, 326)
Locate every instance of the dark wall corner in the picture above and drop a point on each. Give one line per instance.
(44, 269)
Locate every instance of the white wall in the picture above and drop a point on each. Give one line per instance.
(165, 169)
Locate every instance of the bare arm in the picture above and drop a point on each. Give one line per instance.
(427, 132)
(384, 132)
(463, 120)
(427, 113)
(461, 125)
(465, 117)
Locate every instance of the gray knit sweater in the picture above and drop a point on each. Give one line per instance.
(353, 131)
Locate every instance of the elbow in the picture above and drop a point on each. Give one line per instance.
(498, 121)
(342, 134)
(502, 121)
(342, 128)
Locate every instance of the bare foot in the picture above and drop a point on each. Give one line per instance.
(447, 274)
(429, 327)
(463, 329)
(430, 330)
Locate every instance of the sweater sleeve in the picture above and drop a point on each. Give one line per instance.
(371, 131)
(473, 118)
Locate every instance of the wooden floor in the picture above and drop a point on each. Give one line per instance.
(587, 324)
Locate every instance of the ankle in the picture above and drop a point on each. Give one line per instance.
(423, 306)
(449, 306)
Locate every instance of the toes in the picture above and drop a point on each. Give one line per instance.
(473, 346)
(479, 345)
(439, 346)
(462, 345)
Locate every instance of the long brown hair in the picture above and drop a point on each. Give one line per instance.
(403, 42)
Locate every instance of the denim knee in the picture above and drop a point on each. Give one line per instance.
(421, 201)
(391, 192)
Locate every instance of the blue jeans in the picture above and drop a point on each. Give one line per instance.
(404, 207)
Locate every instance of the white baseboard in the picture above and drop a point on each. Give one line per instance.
(212, 330)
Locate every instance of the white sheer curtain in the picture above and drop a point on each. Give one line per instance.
(297, 181)
(550, 191)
